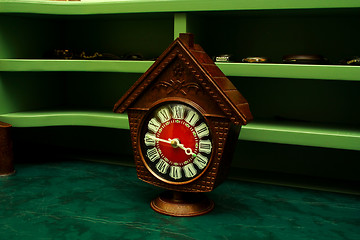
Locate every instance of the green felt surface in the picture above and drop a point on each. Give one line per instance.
(86, 200)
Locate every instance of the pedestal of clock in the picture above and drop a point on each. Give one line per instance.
(6, 153)
(182, 204)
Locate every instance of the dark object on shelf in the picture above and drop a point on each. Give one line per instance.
(185, 117)
(6, 150)
(304, 59)
(69, 54)
(99, 56)
(255, 60)
(134, 56)
(63, 54)
(223, 58)
(351, 61)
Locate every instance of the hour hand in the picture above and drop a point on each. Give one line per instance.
(176, 143)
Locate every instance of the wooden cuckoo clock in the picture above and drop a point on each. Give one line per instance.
(185, 117)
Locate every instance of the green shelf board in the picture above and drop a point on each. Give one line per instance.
(321, 72)
(300, 71)
(261, 131)
(66, 118)
(39, 65)
(145, 6)
(304, 134)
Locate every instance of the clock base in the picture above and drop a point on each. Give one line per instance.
(182, 204)
(7, 174)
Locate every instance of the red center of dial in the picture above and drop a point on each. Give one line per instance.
(177, 129)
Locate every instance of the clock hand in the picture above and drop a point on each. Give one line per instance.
(160, 140)
(176, 143)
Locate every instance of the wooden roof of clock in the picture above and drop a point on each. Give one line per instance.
(228, 98)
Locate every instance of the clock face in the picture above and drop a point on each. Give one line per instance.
(176, 143)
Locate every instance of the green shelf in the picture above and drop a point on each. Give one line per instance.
(321, 72)
(304, 134)
(301, 71)
(39, 65)
(143, 6)
(66, 118)
(261, 131)
(285, 99)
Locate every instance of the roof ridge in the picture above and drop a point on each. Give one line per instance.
(232, 103)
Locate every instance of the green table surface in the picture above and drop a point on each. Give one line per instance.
(86, 200)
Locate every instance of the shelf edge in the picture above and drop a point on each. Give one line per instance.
(147, 6)
(67, 118)
(270, 70)
(299, 71)
(304, 135)
(40, 65)
(308, 136)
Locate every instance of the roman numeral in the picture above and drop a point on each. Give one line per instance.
(164, 115)
(201, 161)
(189, 170)
(149, 140)
(152, 154)
(178, 112)
(154, 125)
(175, 172)
(205, 146)
(202, 130)
(192, 117)
(162, 166)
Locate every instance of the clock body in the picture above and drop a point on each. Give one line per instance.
(211, 138)
(185, 117)
(175, 142)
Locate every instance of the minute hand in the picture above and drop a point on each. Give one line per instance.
(159, 139)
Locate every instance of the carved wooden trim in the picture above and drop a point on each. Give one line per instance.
(204, 71)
